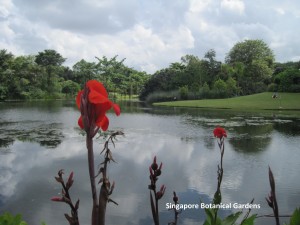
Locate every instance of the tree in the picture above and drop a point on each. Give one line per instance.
(220, 88)
(84, 71)
(70, 87)
(288, 80)
(232, 89)
(51, 61)
(192, 73)
(257, 61)
(106, 68)
(160, 81)
(210, 66)
(49, 57)
(6, 60)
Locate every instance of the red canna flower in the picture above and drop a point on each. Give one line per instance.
(93, 103)
(220, 132)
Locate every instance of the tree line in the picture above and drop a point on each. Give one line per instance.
(43, 76)
(249, 68)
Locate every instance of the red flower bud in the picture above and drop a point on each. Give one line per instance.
(154, 165)
(161, 192)
(57, 199)
(160, 166)
(159, 195)
(151, 171)
(70, 177)
(70, 180)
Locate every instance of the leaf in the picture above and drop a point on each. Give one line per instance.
(210, 214)
(295, 219)
(77, 205)
(110, 156)
(249, 221)
(231, 219)
(101, 180)
(59, 179)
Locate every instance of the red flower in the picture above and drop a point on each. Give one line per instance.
(93, 103)
(219, 132)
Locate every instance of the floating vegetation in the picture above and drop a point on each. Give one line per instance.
(46, 134)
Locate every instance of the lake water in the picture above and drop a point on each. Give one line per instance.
(37, 139)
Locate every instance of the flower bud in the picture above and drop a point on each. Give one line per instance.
(154, 165)
(57, 199)
(175, 198)
(158, 172)
(70, 180)
(161, 192)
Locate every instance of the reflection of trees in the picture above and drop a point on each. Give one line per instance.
(290, 129)
(5, 141)
(48, 135)
(251, 138)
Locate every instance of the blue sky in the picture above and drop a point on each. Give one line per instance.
(150, 34)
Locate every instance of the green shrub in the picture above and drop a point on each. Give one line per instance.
(273, 87)
(184, 92)
(163, 96)
(8, 219)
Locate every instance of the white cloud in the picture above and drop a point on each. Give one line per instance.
(198, 6)
(237, 6)
(280, 11)
(150, 35)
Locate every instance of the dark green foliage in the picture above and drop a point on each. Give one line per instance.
(9, 219)
(44, 77)
(161, 81)
(288, 80)
(295, 219)
(257, 60)
(184, 91)
(70, 87)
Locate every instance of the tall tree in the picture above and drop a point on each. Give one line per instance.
(51, 61)
(84, 71)
(257, 60)
(210, 67)
(6, 59)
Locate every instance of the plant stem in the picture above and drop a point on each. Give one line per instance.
(89, 144)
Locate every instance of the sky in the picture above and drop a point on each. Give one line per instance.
(149, 34)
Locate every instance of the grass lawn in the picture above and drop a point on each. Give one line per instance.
(261, 101)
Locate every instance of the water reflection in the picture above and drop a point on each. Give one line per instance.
(251, 138)
(181, 139)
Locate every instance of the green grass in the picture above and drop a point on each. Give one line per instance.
(261, 101)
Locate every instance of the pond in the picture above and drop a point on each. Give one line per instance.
(39, 138)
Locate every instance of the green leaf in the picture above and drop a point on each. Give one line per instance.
(249, 221)
(231, 219)
(209, 215)
(295, 219)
